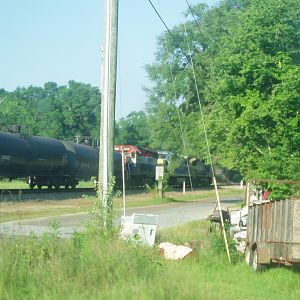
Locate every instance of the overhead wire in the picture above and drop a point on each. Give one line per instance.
(200, 107)
(190, 60)
(183, 52)
(195, 20)
(209, 152)
(181, 130)
(169, 31)
(198, 26)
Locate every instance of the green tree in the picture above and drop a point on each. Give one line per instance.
(55, 111)
(17, 109)
(79, 106)
(257, 76)
(246, 64)
(134, 129)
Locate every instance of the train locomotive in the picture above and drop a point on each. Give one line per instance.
(140, 164)
(54, 163)
(140, 167)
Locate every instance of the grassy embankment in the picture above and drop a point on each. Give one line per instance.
(18, 209)
(98, 266)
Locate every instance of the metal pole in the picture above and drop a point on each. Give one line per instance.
(160, 187)
(123, 182)
(108, 102)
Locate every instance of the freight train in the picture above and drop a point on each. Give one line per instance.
(55, 163)
(140, 166)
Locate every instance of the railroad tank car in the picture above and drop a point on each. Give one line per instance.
(14, 155)
(82, 160)
(46, 161)
(117, 168)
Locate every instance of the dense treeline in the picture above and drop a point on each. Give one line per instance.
(55, 111)
(242, 58)
(246, 58)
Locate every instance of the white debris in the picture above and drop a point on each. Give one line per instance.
(240, 235)
(140, 228)
(239, 217)
(240, 238)
(174, 252)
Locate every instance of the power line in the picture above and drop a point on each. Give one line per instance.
(190, 60)
(169, 31)
(188, 57)
(181, 129)
(198, 26)
(194, 17)
(209, 154)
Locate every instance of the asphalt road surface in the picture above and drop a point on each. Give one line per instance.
(169, 215)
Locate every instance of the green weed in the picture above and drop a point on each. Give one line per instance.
(97, 265)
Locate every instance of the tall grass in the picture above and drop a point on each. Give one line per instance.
(98, 265)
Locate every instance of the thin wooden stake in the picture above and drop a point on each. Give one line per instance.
(221, 217)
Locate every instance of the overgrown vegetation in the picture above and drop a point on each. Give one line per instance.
(102, 213)
(94, 265)
(245, 56)
(159, 188)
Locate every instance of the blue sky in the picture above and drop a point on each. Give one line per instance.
(60, 40)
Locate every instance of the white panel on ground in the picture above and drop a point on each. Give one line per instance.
(140, 228)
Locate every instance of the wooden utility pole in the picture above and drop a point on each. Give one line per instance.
(108, 95)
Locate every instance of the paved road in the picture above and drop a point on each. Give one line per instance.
(169, 215)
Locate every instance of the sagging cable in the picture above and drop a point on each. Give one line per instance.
(208, 149)
(181, 129)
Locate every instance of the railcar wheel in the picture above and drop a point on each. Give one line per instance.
(57, 186)
(39, 186)
(50, 187)
(66, 186)
(31, 183)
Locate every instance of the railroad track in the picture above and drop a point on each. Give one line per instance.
(43, 191)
